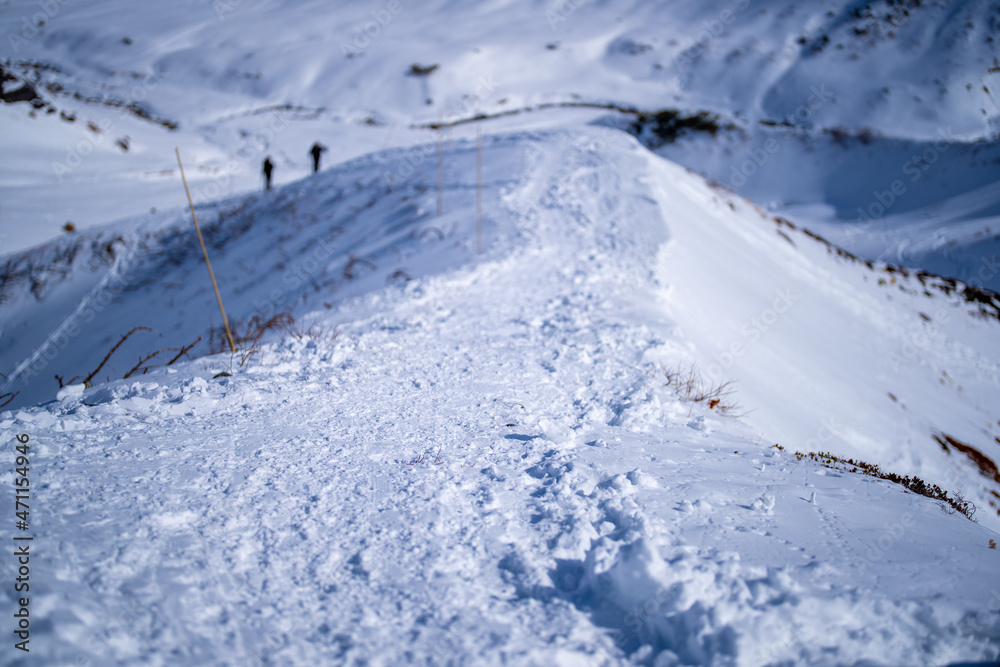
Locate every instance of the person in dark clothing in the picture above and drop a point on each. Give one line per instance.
(316, 150)
(268, 168)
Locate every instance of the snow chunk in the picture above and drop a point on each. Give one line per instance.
(764, 504)
(175, 520)
(554, 432)
(71, 391)
(642, 480)
(196, 385)
(105, 394)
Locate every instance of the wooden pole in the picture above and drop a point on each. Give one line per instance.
(211, 274)
(479, 189)
(440, 163)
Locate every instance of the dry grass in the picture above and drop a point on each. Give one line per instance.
(987, 467)
(914, 484)
(691, 387)
(249, 335)
(398, 277)
(255, 328)
(139, 368)
(5, 399)
(422, 234)
(87, 380)
(351, 270)
(181, 352)
(422, 70)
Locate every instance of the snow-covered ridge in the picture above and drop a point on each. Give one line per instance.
(483, 465)
(352, 231)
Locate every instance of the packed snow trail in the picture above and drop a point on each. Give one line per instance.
(481, 468)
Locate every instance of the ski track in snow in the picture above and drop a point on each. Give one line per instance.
(453, 480)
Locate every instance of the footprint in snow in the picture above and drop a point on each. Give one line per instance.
(764, 504)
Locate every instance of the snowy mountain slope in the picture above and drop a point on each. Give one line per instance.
(931, 204)
(452, 458)
(311, 244)
(824, 350)
(485, 466)
(343, 75)
(347, 232)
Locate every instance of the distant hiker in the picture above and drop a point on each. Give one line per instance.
(316, 151)
(268, 168)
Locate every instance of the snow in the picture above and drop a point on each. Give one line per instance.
(494, 478)
(903, 72)
(438, 456)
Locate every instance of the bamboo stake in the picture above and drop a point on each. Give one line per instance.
(211, 274)
(388, 136)
(479, 189)
(440, 163)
